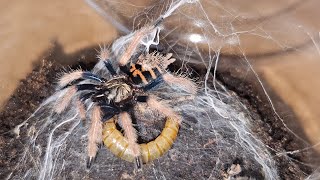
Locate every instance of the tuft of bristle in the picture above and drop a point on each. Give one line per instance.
(104, 53)
(94, 135)
(69, 77)
(63, 102)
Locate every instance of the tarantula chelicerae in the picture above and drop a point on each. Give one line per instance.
(128, 85)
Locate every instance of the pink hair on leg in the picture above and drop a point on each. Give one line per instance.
(95, 133)
(130, 133)
(103, 54)
(181, 83)
(133, 45)
(63, 102)
(69, 77)
(162, 108)
(82, 111)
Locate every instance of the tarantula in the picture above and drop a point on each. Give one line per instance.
(114, 96)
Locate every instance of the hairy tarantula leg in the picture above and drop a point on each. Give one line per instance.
(85, 96)
(82, 87)
(94, 135)
(134, 43)
(180, 83)
(104, 56)
(90, 75)
(161, 107)
(154, 83)
(142, 98)
(125, 69)
(76, 75)
(86, 87)
(63, 101)
(82, 110)
(131, 134)
(110, 68)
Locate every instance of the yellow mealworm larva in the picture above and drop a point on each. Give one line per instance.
(118, 144)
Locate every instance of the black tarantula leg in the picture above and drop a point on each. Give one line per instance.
(131, 135)
(104, 56)
(110, 68)
(76, 75)
(125, 69)
(142, 98)
(85, 96)
(94, 134)
(91, 76)
(108, 111)
(82, 87)
(154, 83)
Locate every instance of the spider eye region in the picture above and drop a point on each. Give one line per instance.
(119, 93)
(118, 90)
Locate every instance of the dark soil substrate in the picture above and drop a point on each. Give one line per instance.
(40, 84)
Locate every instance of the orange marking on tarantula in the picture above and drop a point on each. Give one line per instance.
(142, 77)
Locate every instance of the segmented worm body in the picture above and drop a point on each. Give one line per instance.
(118, 144)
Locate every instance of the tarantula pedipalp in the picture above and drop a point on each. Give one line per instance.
(127, 86)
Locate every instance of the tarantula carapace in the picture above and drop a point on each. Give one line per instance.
(101, 99)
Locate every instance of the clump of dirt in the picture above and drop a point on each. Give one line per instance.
(40, 84)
